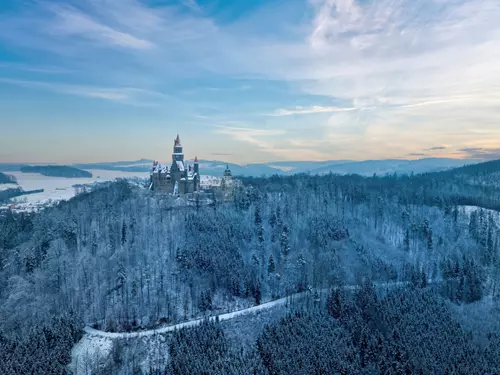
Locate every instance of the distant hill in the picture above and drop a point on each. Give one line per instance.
(390, 166)
(364, 168)
(7, 179)
(485, 174)
(57, 171)
(216, 168)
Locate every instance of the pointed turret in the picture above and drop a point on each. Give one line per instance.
(177, 154)
(196, 165)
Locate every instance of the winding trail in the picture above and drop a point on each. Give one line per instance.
(225, 316)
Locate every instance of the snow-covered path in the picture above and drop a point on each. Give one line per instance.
(191, 323)
(96, 346)
(221, 317)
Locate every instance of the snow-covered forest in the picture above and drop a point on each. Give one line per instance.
(123, 259)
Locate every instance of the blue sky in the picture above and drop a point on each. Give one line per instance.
(249, 81)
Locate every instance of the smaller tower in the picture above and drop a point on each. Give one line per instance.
(196, 173)
(196, 165)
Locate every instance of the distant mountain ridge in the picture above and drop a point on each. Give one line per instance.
(364, 168)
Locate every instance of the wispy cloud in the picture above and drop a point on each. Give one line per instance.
(481, 153)
(308, 110)
(191, 4)
(126, 95)
(436, 148)
(267, 141)
(248, 135)
(71, 22)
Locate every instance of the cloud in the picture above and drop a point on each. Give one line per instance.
(436, 148)
(191, 4)
(399, 73)
(267, 141)
(416, 154)
(125, 95)
(73, 23)
(249, 135)
(308, 110)
(481, 153)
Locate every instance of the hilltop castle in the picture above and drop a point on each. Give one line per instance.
(179, 178)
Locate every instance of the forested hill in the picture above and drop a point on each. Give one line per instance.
(122, 258)
(477, 185)
(57, 171)
(487, 173)
(7, 179)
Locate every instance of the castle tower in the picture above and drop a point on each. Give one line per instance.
(196, 165)
(227, 174)
(177, 155)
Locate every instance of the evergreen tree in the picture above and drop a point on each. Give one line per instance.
(270, 265)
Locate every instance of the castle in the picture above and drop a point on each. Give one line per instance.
(179, 178)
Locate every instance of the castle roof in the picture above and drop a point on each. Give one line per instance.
(177, 141)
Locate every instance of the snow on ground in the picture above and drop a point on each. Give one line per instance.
(60, 188)
(191, 323)
(209, 181)
(282, 168)
(226, 316)
(480, 317)
(8, 186)
(88, 353)
(469, 209)
(150, 346)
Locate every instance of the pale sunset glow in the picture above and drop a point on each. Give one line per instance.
(254, 81)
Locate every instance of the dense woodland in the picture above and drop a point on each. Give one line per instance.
(121, 258)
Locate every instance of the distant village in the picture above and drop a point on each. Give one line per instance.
(180, 178)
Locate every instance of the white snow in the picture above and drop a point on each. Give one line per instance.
(88, 353)
(60, 188)
(496, 215)
(8, 186)
(221, 317)
(282, 168)
(191, 323)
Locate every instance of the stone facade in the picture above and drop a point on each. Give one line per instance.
(177, 179)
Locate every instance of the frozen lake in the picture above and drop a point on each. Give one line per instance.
(60, 188)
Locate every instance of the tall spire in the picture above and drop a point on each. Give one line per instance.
(177, 140)
(196, 159)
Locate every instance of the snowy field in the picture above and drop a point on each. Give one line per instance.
(60, 188)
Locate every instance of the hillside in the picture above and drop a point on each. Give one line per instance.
(7, 179)
(57, 171)
(364, 168)
(121, 259)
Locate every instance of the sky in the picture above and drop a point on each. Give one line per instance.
(249, 81)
